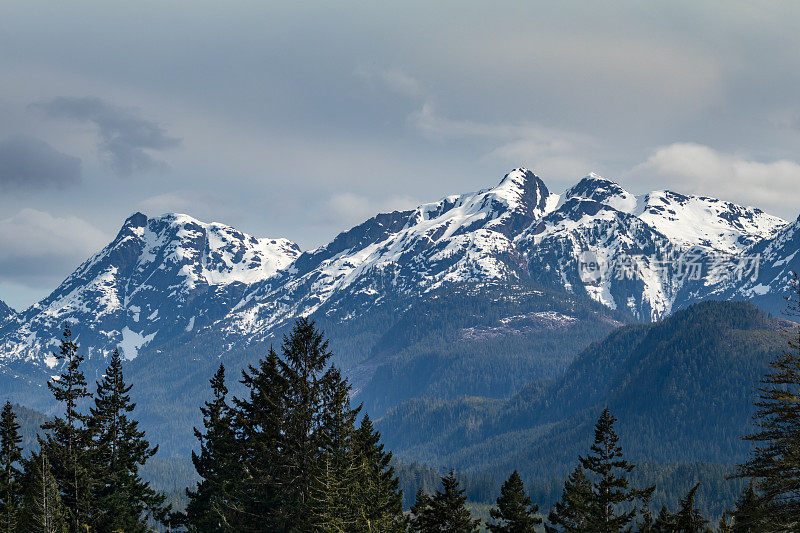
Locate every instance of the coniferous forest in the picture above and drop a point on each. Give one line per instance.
(293, 454)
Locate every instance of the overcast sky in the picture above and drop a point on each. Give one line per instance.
(299, 120)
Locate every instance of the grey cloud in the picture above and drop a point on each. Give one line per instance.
(293, 118)
(41, 248)
(699, 169)
(125, 136)
(28, 163)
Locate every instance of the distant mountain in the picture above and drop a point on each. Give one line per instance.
(158, 279)
(682, 389)
(460, 239)
(778, 259)
(639, 250)
(475, 294)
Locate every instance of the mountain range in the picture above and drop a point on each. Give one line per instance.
(475, 294)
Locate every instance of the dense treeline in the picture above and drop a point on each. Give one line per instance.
(293, 454)
(458, 342)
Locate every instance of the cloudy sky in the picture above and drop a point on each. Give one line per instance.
(299, 120)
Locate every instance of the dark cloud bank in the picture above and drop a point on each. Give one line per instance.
(125, 137)
(28, 163)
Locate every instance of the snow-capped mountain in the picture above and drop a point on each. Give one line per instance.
(685, 220)
(777, 260)
(489, 290)
(165, 279)
(634, 252)
(460, 239)
(159, 278)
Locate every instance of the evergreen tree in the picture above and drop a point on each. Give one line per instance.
(288, 456)
(261, 490)
(211, 507)
(68, 442)
(572, 513)
(421, 515)
(42, 510)
(122, 500)
(596, 502)
(445, 511)
(610, 487)
(665, 521)
(688, 519)
(310, 389)
(645, 522)
(10, 456)
(514, 512)
(334, 487)
(378, 500)
(774, 464)
(748, 515)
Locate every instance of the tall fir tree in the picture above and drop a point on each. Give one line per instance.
(665, 521)
(421, 515)
(597, 497)
(572, 513)
(445, 511)
(608, 468)
(515, 513)
(259, 417)
(378, 500)
(10, 475)
(689, 519)
(123, 501)
(42, 510)
(334, 486)
(68, 441)
(748, 515)
(211, 507)
(288, 456)
(310, 388)
(774, 463)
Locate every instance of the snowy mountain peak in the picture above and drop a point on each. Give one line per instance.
(136, 220)
(520, 198)
(523, 188)
(602, 190)
(159, 276)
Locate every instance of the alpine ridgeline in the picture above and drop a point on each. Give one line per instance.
(473, 294)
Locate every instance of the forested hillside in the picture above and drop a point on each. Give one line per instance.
(683, 391)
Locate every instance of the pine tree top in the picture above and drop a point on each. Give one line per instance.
(514, 512)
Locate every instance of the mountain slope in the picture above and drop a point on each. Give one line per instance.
(157, 279)
(769, 283)
(460, 239)
(681, 388)
(633, 253)
(476, 294)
